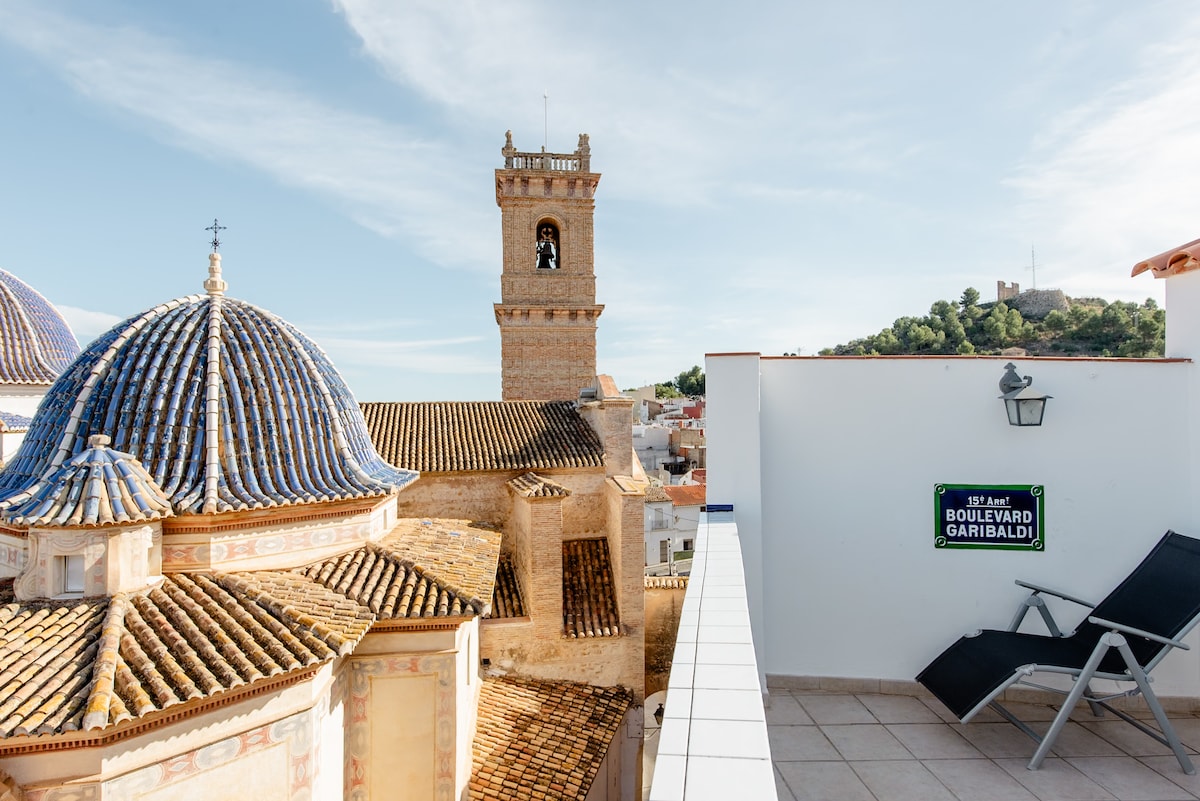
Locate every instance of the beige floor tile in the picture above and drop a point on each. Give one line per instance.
(1168, 767)
(1076, 741)
(907, 780)
(823, 781)
(1129, 780)
(782, 792)
(786, 709)
(1129, 739)
(978, 780)
(861, 741)
(997, 740)
(1188, 729)
(1055, 781)
(898, 709)
(791, 743)
(835, 709)
(933, 741)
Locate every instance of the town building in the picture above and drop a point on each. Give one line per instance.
(218, 587)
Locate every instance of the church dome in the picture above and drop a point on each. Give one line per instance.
(36, 344)
(228, 407)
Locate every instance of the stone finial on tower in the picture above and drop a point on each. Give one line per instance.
(214, 284)
(584, 151)
(508, 151)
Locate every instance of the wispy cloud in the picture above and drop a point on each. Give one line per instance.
(85, 323)
(1110, 180)
(385, 176)
(457, 356)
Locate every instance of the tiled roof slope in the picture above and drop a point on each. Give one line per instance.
(589, 592)
(531, 485)
(542, 739)
(686, 494)
(36, 344)
(507, 600)
(484, 435)
(88, 664)
(657, 495)
(461, 553)
(98, 487)
(228, 406)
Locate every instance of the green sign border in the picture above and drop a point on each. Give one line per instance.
(1037, 490)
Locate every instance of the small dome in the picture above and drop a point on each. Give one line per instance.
(36, 344)
(226, 405)
(98, 487)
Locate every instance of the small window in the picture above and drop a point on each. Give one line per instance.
(687, 545)
(70, 574)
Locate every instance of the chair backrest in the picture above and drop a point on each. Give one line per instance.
(1161, 595)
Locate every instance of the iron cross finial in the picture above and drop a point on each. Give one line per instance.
(216, 230)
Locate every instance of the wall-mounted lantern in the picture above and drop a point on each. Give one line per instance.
(1025, 406)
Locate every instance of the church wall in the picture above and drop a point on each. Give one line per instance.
(22, 399)
(625, 543)
(13, 550)
(547, 355)
(316, 532)
(265, 743)
(417, 754)
(485, 497)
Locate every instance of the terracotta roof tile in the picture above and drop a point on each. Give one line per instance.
(507, 600)
(657, 495)
(589, 592)
(462, 554)
(89, 664)
(1171, 262)
(531, 485)
(485, 435)
(543, 739)
(686, 494)
(666, 582)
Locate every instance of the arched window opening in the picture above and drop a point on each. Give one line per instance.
(547, 247)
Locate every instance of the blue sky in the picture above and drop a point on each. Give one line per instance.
(776, 176)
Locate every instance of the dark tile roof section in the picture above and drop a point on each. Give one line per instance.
(542, 739)
(507, 601)
(531, 485)
(589, 592)
(484, 435)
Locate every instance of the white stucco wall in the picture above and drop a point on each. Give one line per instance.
(839, 541)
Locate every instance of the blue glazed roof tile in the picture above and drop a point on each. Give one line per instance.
(227, 406)
(98, 487)
(36, 344)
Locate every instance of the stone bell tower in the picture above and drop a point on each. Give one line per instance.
(548, 311)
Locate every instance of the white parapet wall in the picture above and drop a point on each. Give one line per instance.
(832, 464)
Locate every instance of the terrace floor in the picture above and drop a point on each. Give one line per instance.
(865, 747)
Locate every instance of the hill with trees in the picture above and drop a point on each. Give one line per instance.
(1087, 327)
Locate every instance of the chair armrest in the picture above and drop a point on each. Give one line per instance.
(1108, 624)
(1036, 588)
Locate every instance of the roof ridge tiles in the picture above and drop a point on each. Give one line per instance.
(103, 679)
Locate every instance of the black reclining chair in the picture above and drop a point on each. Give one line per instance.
(1123, 639)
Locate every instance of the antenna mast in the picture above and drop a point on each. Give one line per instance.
(1033, 265)
(546, 119)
